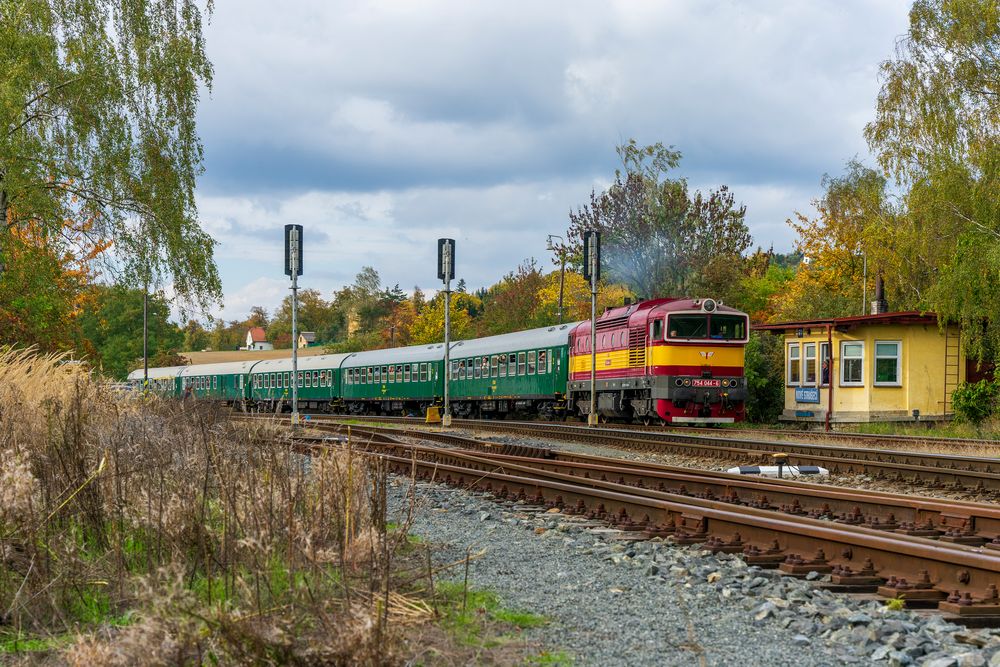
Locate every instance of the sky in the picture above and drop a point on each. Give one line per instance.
(381, 127)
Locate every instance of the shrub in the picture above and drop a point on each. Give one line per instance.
(764, 369)
(974, 402)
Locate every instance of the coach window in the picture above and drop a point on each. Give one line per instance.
(392, 373)
(541, 362)
(531, 362)
(476, 369)
(308, 379)
(520, 363)
(406, 373)
(299, 379)
(415, 373)
(315, 378)
(512, 364)
(494, 367)
(794, 374)
(888, 360)
(215, 379)
(322, 378)
(809, 354)
(486, 367)
(502, 366)
(423, 372)
(852, 363)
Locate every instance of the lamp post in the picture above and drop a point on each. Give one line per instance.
(592, 272)
(562, 270)
(293, 268)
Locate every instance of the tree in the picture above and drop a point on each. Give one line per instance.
(512, 304)
(195, 336)
(429, 325)
(114, 328)
(657, 237)
(936, 131)
(314, 314)
(258, 317)
(97, 133)
(44, 289)
(854, 211)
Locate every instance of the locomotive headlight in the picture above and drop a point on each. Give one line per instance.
(708, 305)
(687, 383)
(679, 382)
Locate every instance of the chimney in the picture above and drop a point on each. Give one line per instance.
(879, 305)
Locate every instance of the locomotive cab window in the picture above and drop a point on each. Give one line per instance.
(727, 327)
(657, 330)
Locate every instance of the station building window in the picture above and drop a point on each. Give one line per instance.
(888, 360)
(794, 371)
(809, 350)
(825, 364)
(852, 363)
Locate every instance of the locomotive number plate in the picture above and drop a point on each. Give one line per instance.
(706, 383)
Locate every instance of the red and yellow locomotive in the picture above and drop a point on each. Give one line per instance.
(662, 361)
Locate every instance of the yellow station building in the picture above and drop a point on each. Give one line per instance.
(884, 367)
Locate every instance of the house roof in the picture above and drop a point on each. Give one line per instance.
(308, 335)
(903, 317)
(257, 335)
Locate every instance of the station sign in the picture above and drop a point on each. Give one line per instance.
(807, 394)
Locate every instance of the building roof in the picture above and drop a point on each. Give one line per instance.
(257, 335)
(903, 317)
(309, 336)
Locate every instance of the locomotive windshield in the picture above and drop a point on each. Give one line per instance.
(717, 327)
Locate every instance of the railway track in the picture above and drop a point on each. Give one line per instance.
(879, 543)
(930, 470)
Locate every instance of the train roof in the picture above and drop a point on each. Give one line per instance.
(553, 336)
(221, 368)
(157, 373)
(396, 355)
(314, 362)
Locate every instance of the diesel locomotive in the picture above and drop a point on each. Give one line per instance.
(662, 360)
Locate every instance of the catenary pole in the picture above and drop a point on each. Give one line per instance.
(145, 338)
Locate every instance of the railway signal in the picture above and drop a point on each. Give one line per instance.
(446, 273)
(293, 268)
(592, 272)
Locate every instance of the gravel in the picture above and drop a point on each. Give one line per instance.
(613, 601)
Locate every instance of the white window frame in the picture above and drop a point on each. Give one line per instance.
(788, 365)
(844, 359)
(819, 366)
(808, 362)
(899, 363)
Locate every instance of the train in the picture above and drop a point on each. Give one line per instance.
(662, 361)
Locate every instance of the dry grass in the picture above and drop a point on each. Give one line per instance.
(140, 531)
(223, 356)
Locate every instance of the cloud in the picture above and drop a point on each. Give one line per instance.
(381, 126)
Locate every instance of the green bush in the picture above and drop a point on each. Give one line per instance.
(764, 368)
(974, 402)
